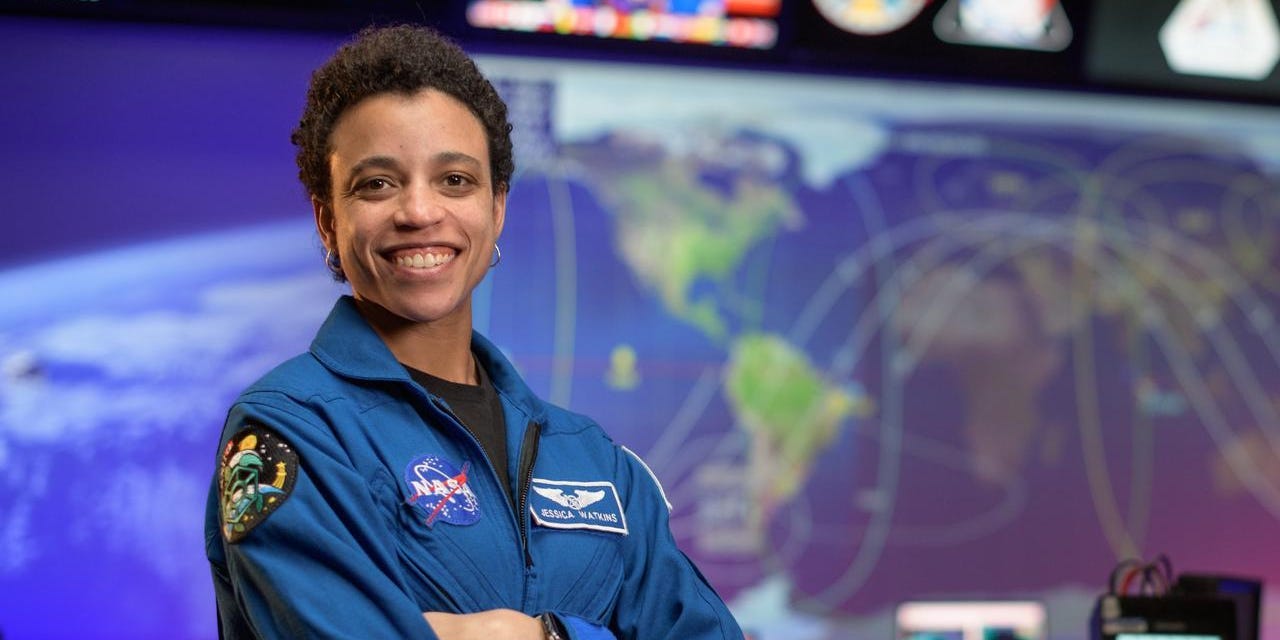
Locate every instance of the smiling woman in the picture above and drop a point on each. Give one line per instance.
(400, 479)
(414, 220)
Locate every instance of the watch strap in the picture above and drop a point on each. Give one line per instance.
(552, 628)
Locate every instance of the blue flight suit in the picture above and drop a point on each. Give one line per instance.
(393, 510)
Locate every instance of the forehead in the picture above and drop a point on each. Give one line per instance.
(427, 121)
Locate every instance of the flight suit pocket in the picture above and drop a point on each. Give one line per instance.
(583, 572)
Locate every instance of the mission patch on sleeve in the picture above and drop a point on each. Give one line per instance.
(255, 475)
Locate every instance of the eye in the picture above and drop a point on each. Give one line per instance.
(375, 187)
(458, 184)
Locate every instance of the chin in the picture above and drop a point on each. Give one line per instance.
(426, 313)
(415, 310)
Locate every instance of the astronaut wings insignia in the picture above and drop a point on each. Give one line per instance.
(564, 504)
(580, 499)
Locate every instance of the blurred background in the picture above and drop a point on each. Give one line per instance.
(902, 300)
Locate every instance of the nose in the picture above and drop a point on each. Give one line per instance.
(419, 207)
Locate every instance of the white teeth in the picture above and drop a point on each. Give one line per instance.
(423, 260)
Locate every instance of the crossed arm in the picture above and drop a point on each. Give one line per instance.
(485, 625)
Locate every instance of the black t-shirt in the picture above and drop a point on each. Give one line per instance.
(478, 409)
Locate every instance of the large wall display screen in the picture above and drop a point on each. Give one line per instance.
(880, 341)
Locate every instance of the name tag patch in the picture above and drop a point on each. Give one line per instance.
(564, 504)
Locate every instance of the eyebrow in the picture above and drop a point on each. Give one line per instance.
(376, 162)
(447, 157)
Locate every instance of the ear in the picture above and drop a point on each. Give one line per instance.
(499, 212)
(325, 224)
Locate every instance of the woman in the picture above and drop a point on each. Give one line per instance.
(400, 480)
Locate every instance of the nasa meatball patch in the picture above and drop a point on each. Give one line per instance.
(440, 489)
(255, 475)
(564, 504)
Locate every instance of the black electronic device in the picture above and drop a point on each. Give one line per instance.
(1244, 593)
(1163, 617)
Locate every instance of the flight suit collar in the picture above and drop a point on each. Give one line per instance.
(349, 347)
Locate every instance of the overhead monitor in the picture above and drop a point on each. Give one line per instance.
(1014, 24)
(869, 18)
(747, 24)
(1214, 47)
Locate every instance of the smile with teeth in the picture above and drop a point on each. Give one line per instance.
(423, 260)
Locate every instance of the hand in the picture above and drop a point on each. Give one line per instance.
(506, 624)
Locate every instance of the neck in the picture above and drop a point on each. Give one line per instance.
(442, 348)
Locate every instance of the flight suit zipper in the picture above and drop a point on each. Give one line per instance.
(528, 455)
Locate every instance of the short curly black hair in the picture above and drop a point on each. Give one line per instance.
(401, 59)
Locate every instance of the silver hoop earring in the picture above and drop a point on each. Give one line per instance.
(497, 256)
(334, 263)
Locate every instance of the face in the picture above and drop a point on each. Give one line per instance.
(414, 215)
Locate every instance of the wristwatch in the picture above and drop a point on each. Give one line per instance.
(552, 628)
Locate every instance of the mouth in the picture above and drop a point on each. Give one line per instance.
(423, 258)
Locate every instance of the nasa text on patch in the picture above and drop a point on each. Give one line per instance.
(565, 504)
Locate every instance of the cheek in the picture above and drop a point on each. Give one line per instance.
(352, 234)
(486, 224)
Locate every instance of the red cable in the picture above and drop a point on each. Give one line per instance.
(1128, 577)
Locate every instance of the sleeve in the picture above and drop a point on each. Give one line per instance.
(307, 554)
(663, 593)
(578, 629)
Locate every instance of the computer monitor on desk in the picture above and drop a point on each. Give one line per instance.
(971, 620)
(1168, 636)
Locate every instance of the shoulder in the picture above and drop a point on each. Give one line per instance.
(589, 435)
(306, 381)
(292, 377)
(288, 398)
(561, 421)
